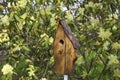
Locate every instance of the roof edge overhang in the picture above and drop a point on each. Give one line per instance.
(68, 31)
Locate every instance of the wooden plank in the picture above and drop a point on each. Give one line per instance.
(70, 56)
(59, 50)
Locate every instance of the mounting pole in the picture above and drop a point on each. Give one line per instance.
(65, 77)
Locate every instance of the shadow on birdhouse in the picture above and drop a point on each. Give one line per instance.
(64, 48)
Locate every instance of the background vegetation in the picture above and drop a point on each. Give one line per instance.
(28, 30)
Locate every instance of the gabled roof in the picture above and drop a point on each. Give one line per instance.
(68, 32)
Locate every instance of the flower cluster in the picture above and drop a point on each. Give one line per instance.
(117, 73)
(43, 79)
(105, 45)
(4, 36)
(5, 20)
(113, 60)
(22, 3)
(116, 45)
(104, 34)
(31, 70)
(7, 69)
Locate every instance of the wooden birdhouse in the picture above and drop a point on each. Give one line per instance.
(64, 48)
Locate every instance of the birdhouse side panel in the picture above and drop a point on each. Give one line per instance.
(70, 56)
(59, 50)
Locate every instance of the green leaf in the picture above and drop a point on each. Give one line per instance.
(91, 55)
(17, 18)
(25, 48)
(24, 16)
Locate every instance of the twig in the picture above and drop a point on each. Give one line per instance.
(85, 63)
(87, 70)
(91, 64)
(45, 71)
(99, 78)
(101, 60)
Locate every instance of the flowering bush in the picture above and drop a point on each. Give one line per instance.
(28, 30)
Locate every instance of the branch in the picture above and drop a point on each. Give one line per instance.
(45, 70)
(91, 64)
(85, 62)
(4, 4)
(105, 66)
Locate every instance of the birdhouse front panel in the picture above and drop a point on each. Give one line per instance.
(59, 50)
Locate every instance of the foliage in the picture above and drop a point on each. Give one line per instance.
(27, 32)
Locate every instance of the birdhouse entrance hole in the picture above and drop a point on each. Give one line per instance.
(61, 41)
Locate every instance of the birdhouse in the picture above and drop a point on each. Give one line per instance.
(64, 48)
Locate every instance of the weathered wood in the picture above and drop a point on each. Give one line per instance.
(70, 56)
(64, 48)
(59, 50)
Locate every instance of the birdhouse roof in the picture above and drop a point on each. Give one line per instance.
(68, 32)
